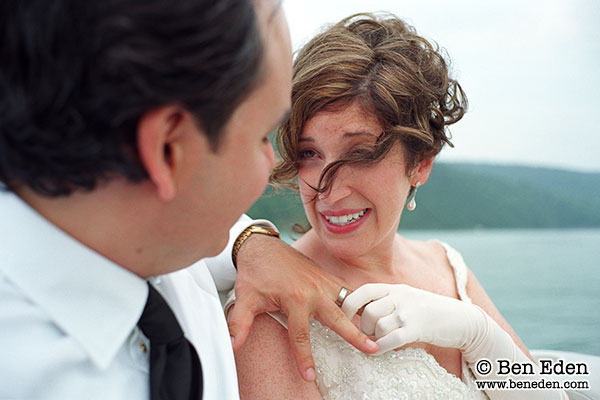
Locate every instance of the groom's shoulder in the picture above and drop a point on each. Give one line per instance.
(28, 337)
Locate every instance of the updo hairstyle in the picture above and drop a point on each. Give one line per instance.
(395, 74)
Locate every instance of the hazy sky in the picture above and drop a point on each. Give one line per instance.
(531, 71)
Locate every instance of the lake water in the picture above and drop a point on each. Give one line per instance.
(546, 283)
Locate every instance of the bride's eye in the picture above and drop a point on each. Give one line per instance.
(307, 154)
(361, 151)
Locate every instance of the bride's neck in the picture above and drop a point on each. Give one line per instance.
(378, 264)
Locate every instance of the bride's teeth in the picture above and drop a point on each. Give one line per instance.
(344, 219)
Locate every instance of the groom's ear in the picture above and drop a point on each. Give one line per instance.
(160, 141)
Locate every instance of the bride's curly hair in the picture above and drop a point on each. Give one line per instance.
(394, 74)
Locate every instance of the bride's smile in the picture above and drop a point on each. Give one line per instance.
(351, 219)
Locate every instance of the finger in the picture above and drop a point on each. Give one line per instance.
(397, 338)
(239, 320)
(299, 334)
(387, 324)
(362, 296)
(374, 312)
(337, 321)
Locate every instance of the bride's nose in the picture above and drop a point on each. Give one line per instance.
(340, 189)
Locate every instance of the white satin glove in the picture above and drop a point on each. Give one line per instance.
(400, 314)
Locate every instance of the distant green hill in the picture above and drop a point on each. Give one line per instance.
(467, 196)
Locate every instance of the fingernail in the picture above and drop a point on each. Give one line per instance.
(310, 374)
(232, 340)
(371, 345)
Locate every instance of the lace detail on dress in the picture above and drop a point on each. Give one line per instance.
(346, 373)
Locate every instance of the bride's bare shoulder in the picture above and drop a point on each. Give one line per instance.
(429, 268)
(431, 252)
(266, 365)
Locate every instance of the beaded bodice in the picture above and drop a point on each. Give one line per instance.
(346, 373)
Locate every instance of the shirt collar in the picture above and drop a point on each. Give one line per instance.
(89, 297)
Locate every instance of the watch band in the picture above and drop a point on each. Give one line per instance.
(246, 233)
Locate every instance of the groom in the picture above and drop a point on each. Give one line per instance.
(133, 134)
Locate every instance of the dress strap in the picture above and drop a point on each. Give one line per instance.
(460, 271)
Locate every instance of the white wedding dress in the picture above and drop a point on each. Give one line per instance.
(346, 373)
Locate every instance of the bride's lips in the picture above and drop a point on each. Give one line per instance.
(341, 229)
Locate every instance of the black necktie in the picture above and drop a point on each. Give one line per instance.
(175, 371)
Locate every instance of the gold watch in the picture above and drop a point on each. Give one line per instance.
(246, 233)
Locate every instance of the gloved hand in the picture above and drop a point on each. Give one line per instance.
(401, 314)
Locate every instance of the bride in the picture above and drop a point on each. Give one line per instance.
(371, 103)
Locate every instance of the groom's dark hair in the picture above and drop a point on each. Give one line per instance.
(76, 76)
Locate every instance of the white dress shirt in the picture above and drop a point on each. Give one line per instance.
(68, 316)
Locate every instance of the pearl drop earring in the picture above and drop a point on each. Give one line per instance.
(412, 204)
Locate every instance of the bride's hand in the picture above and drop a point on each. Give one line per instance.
(401, 314)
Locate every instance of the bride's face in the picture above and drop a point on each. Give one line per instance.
(362, 210)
